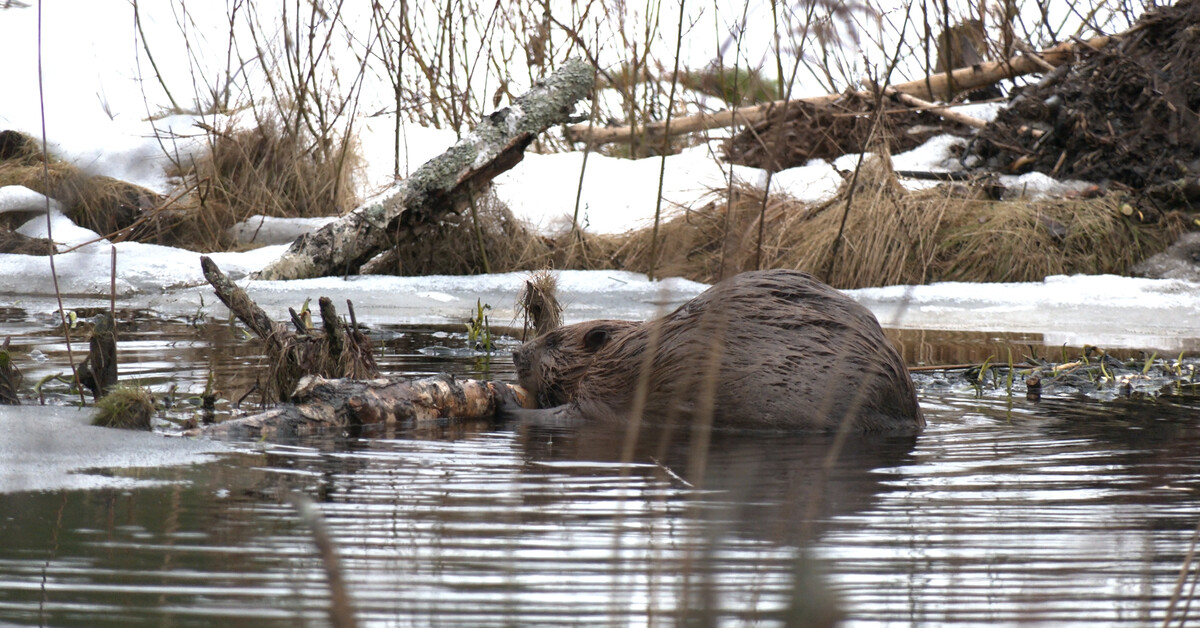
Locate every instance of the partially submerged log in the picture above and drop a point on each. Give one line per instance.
(935, 87)
(442, 185)
(340, 351)
(320, 404)
(331, 381)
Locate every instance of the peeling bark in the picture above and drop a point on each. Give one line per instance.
(442, 185)
(320, 404)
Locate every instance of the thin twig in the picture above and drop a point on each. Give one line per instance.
(341, 611)
(1183, 574)
(62, 313)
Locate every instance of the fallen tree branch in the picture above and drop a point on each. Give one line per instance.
(320, 404)
(442, 185)
(934, 87)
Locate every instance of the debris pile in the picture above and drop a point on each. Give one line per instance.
(803, 131)
(1128, 113)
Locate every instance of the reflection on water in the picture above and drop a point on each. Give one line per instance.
(1001, 512)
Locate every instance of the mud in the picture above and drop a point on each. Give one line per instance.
(1126, 114)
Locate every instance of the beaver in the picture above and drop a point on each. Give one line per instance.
(772, 349)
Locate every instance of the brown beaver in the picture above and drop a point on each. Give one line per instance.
(770, 349)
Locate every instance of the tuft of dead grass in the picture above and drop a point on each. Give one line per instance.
(265, 169)
(128, 407)
(893, 236)
(538, 304)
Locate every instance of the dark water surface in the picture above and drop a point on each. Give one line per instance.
(1004, 511)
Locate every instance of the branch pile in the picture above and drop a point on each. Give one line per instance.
(793, 135)
(1127, 113)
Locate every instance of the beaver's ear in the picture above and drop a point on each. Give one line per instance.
(595, 338)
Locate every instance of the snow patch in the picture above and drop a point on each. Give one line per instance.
(63, 230)
(265, 230)
(1106, 310)
(18, 198)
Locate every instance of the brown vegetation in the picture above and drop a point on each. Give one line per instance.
(265, 169)
(262, 170)
(953, 232)
(103, 204)
(893, 236)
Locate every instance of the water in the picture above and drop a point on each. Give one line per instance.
(1004, 511)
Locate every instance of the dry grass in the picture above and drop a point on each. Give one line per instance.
(953, 232)
(263, 170)
(266, 169)
(128, 407)
(102, 204)
(538, 304)
(897, 237)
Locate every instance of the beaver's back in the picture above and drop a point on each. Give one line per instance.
(766, 349)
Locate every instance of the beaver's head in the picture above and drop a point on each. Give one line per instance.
(551, 365)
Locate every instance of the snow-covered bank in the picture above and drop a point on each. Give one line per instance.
(1101, 310)
(1108, 310)
(1104, 310)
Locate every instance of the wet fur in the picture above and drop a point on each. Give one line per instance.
(762, 350)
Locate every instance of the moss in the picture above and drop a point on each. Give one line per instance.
(126, 407)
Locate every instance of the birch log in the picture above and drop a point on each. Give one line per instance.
(440, 186)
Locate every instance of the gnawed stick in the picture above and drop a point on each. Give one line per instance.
(320, 404)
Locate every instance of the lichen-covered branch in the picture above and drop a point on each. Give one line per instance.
(441, 185)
